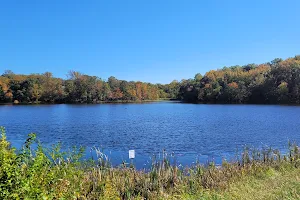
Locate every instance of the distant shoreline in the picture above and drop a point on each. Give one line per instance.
(93, 103)
(144, 101)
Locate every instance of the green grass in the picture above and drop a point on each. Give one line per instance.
(276, 185)
(273, 184)
(50, 173)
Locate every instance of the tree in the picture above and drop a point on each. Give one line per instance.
(35, 92)
(8, 73)
(283, 91)
(113, 83)
(198, 77)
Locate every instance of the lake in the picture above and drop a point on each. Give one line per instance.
(191, 131)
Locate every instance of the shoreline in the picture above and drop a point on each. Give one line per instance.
(55, 174)
(149, 101)
(92, 103)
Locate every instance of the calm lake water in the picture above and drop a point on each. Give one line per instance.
(188, 130)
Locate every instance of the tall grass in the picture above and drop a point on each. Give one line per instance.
(50, 173)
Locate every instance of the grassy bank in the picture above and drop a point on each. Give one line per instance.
(49, 173)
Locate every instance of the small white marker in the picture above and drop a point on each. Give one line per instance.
(131, 154)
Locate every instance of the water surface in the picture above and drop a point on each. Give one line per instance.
(189, 130)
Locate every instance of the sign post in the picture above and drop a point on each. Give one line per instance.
(131, 157)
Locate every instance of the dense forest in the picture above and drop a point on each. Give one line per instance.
(78, 88)
(270, 83)
(276, 82)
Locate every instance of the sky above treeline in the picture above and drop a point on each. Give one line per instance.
(153, 41)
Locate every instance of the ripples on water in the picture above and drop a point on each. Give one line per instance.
(188, 130)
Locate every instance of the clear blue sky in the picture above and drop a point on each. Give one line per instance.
(153, 41)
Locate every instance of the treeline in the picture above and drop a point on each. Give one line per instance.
(275, 82)
(78, 88)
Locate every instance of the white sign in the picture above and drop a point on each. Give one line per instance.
(131, 154)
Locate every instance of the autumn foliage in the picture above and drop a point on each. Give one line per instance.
(274, 82)
(78, 88)
(270, 83)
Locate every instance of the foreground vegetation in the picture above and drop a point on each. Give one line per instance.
(275, 82)
(34, 172)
